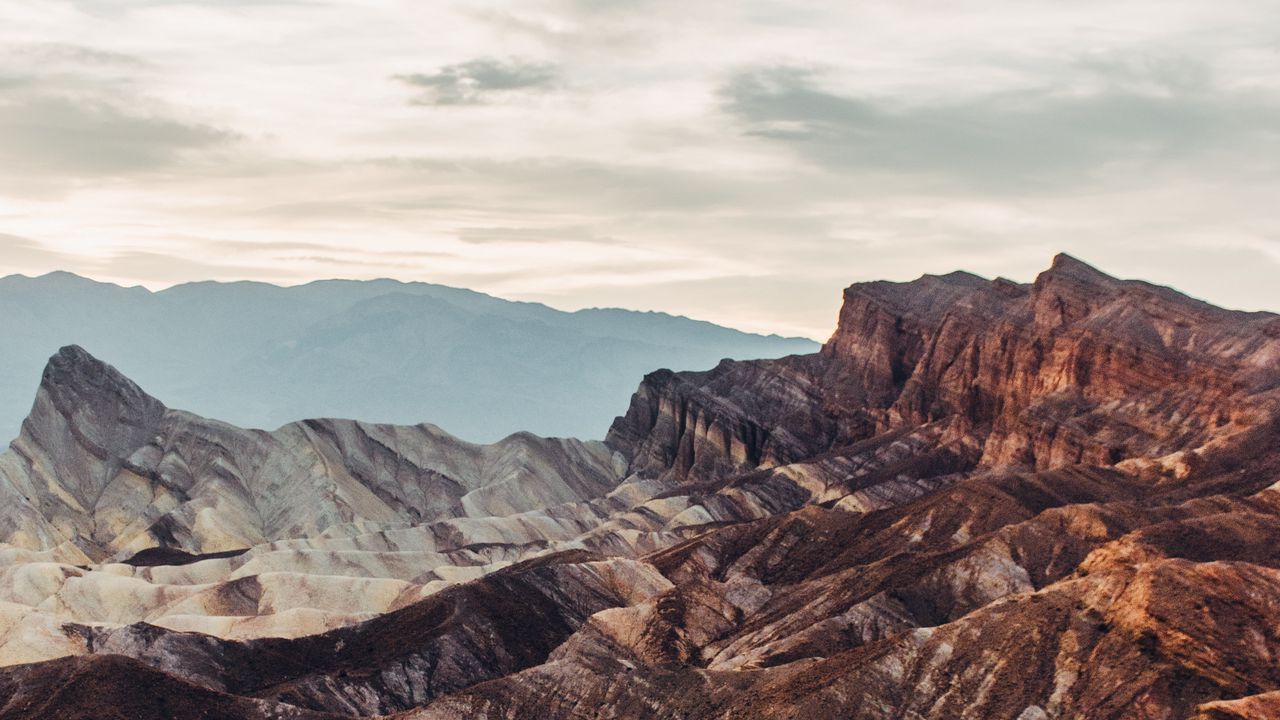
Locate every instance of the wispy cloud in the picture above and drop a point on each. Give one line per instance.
(46, 54)
(86, 136)
(480, 81)
(534, 235)
(73, 112)
(1152, 117)
(20, 254)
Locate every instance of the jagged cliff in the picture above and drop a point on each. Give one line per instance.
(1076, 368)
(981, 499)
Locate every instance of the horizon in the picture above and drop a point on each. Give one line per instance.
(818, 337)
(154, 289)
(735, 162)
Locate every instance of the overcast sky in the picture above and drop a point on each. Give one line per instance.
(738, 161)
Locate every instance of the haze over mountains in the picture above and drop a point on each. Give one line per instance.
(260, 355)
(980, 499)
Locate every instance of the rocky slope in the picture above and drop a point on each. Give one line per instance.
(979, 500)
(110, 471)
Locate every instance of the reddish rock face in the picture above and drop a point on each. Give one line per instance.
(1076, 368)
(979, 500)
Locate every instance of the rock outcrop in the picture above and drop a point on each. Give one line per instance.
(1077, 368)
(981, 499)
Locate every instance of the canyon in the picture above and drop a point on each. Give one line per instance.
(978, 499)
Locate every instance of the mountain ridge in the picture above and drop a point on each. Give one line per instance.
(979, 499)
(179, 288)
(262, 355)
(93, 431)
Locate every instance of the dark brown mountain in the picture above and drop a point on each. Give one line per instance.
(981, 499)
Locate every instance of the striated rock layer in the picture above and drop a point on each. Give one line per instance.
(981, 499)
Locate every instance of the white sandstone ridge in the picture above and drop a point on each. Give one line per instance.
(101, 471)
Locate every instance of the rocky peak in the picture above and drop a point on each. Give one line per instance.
(1069, 291)
(86, 421)
(881, 334)
(95, 401)
(76, 375)
(1067, 268)
(112, 471)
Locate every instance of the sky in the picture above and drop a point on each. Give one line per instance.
(736, 161)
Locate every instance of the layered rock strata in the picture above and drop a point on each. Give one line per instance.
(981, 499)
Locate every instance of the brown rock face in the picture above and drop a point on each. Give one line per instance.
(110, 687)
(738, 416)
(1077, 368)
(980, 500)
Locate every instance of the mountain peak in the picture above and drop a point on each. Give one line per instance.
(92, 395)
(74, 367)
(962, 278)
(1067, 267)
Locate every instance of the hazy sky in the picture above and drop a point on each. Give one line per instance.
(735, 161)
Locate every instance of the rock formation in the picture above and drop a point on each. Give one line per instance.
(981, 499)
(113, 472)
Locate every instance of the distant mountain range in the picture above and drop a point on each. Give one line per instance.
(261, 355)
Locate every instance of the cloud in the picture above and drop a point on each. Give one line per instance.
(20, 254)
(112, 8)
(516, 199)
(559, 184)
(563, 234)
(1131, 118)
(480, 81)
(46, 54)
(160, 267)
(85, 136)
(597, 30)
(318, 252)
(72, 112)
